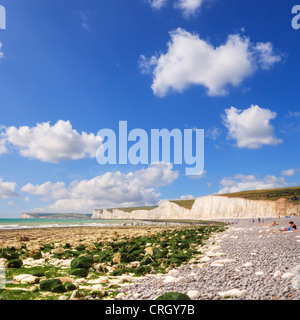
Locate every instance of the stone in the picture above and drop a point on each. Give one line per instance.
(259, 273)
(134, 264)
(125, 279)
(247, 264)
(120, 296)
(65, 279)
(193, 294)
(99, 280)
(224, 261)
(277, 274)
(97, 287)
(21, 277)
(233, 293)
(117, 258)
(215, 254)
(169, 279)
(288, 275)
(181, 279)
(215, 264)
(205, 259)
(173, 272)
(149, 250)
(81, 280)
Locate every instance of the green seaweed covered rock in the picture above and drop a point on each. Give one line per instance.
(142, 270)
(70, 286)
(48, 285)
(82, 262)
(58, 289)
(173, 296)
(79, 272)
(14, 263)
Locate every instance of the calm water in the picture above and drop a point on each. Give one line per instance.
(6, 224)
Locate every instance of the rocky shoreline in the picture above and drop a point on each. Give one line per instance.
(92, 263)
(249, 261)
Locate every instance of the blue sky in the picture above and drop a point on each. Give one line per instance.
(71, 68)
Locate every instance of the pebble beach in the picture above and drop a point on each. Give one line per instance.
(249, 261)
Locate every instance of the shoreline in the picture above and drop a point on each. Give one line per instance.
(92, 262)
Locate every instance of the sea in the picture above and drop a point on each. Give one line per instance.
(11, 224)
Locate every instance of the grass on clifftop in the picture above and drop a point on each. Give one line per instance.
(267, 194)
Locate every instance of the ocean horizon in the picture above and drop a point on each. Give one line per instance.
(11, 224)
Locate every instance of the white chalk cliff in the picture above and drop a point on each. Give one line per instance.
(206, 208)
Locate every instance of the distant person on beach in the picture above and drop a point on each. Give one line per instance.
(292, 227)
(258, 219)
(274, 223)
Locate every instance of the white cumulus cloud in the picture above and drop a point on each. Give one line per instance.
(251, 127)
(189, 7)
(288, 173)
(157, 4)
(51, 143)
(191, 61)
(112, 189)
(242, 182)
(7, 189)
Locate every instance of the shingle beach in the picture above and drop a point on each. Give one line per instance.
(249, 261)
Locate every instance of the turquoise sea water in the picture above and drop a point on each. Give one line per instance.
(7, 224)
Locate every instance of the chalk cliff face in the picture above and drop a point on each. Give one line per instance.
(167, 210)
(214, 207)
(26, 216)
(206, 208)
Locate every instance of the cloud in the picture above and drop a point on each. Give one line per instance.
(213, 133)
(157, 4)
(288, 173)
(265, 56)
(1, 53)
(52, 143)
(251, 127)
(187, 197)
(84, 21)
(7, 189)
(112, 189)
(242, 182)
(191, 61)
(293, 114)
(47, 190)
(189, 7)
(3, 145)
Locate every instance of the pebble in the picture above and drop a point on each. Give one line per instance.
(262, 268)
(193, 294)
